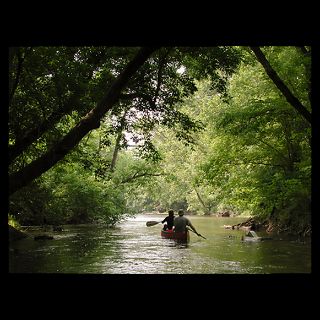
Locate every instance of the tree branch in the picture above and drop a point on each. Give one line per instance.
(304, 50)
(90, 121)
(24, 142)
(117, 144)
(206, 210)
(281, 85)
(162, 63)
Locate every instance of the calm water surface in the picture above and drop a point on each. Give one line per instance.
(134, 248)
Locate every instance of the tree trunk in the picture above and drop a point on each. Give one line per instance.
(117, 146)
(280, 84)
(116, 151)
(90, 121)
(23, 143)
(206, 210)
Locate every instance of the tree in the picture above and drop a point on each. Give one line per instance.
(281, 85)
(254, 154)
(87, 123)
(58, 85)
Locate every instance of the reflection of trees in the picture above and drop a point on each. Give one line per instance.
(95, 249)
(90, 245)
(69, 254)
(284, 256)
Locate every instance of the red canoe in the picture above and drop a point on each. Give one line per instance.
(179, 236)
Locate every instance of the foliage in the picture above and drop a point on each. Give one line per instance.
(261, 155)
(51, 88)
(12, 221)
(202, 129)
(254, 154)
(68, 194)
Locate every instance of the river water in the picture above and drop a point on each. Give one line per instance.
(133, 248)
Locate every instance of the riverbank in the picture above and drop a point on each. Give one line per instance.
(272, 227)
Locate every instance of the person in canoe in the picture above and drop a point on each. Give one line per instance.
(180, 223)
(169, 220)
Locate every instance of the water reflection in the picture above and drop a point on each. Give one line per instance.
(133, 248)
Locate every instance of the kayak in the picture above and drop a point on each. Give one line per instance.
(179, 236)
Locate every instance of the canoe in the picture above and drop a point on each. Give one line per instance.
(178, 236)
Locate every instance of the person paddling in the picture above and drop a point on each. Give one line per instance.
(169, 220)
(180, 223)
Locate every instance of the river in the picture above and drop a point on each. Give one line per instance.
(133, 248)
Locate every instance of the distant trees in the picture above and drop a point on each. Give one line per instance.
(57, 95)
(53, 88)
(212, 129)
(254, 155)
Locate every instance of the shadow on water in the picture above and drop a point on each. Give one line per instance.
(133, 248)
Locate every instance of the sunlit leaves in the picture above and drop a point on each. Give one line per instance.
(253, 149)
(192, 146)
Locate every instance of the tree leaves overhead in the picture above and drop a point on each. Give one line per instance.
(53, 88)
(254, 152)
(214, 63)
(198, 128)
(283, 88)
(90, 121)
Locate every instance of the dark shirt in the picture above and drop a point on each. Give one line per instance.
(169, 221)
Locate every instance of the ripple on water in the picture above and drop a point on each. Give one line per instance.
(135, 248)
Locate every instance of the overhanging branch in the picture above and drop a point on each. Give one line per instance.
(90, 121)
(281, 85)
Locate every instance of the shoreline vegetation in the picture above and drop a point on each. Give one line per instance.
(40, 232)
(98, 134)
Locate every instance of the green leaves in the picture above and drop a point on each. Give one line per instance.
(209, 130)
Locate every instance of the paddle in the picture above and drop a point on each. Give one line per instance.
(198, 234)
(152, 223)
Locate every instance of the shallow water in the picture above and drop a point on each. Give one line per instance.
(134, 248)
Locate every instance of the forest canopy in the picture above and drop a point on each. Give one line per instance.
(97, 133)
